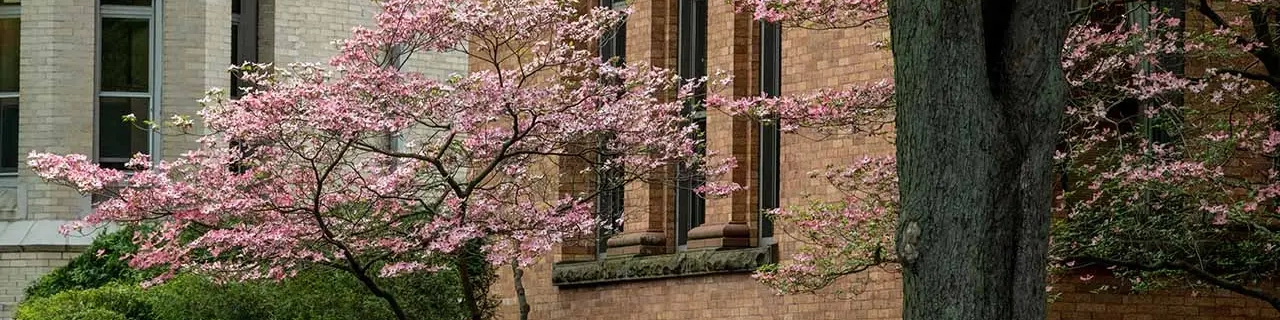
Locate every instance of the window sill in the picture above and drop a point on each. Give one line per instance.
(680, 264)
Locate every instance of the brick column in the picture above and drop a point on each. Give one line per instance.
(56, 107)
(196, 51)
(648, 226)
(304, 30)
(732, 46)
(570, 179)
(56, 97)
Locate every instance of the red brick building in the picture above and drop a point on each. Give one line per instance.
(679, 257)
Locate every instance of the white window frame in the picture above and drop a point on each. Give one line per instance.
(155, 32)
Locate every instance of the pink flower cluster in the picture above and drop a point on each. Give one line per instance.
(843, 236)
(298, 171)
(816, 13)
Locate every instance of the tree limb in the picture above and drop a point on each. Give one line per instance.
(1191, 269)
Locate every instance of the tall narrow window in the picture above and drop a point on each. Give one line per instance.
(10, 27)
(127, 79)
(610, 179)
(692, 64)
(244, 37)
(770, 137)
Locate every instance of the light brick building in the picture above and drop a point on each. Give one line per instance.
(69, 69)
(679, 257)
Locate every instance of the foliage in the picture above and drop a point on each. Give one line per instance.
(102, 263)
(298, 172)
(840, 237)
(816, 14)
(1168, 174)
(94, 314)
(114, 301)
(1166, 170)
(316, 293)
(312, 294)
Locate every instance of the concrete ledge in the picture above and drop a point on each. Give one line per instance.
(725, 235)
(682, 264)
(43, 236)
(637, 243)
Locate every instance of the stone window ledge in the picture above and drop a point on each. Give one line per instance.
(44, 236)
(680, 264)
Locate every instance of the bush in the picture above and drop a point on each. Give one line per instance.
(103, 287)
(317, 294)
(109, 302)
(91, 269)
(95, 314)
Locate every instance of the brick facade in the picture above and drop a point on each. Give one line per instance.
(811, 60)
(57, 98)
(18, 269)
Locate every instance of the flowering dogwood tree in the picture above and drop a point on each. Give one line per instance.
(1167, 173)
(363, 167)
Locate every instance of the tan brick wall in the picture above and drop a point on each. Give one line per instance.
(297, 34)
(305, 31)
(197, 52)
(19, 269)
(56, 96)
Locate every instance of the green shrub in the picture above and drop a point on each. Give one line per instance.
(94, 314)
(315, 294)
(108, 302)
(319, 295)
(86, 287)
(91, 270)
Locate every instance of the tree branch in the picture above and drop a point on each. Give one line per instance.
(1273, 81)
(1265, 54)
(1193, 270)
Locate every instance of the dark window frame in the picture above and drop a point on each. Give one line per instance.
(610, 182)
(244, 35)
(9, 104)
(770, 136)
(692, 64)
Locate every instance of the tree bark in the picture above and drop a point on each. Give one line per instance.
(980, 99)
(518, 276)
(468, 288)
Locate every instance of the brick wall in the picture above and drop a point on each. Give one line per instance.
(56, 85)
(1078, 302)
(811, 60)
(304, 31)
(55, 81)
(197, 52)
(19, 269)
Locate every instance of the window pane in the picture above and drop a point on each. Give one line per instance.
(128, 2)
(9, 135)
(235, 6)
(235, 59)
(117, 140)
(10, 2)
(125, 55)
(9, 55)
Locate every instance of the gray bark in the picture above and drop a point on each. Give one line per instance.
(517, 275)
(980, 98)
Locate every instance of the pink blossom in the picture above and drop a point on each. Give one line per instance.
(294, 173)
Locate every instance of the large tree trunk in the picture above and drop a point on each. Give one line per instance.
(980, 96)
